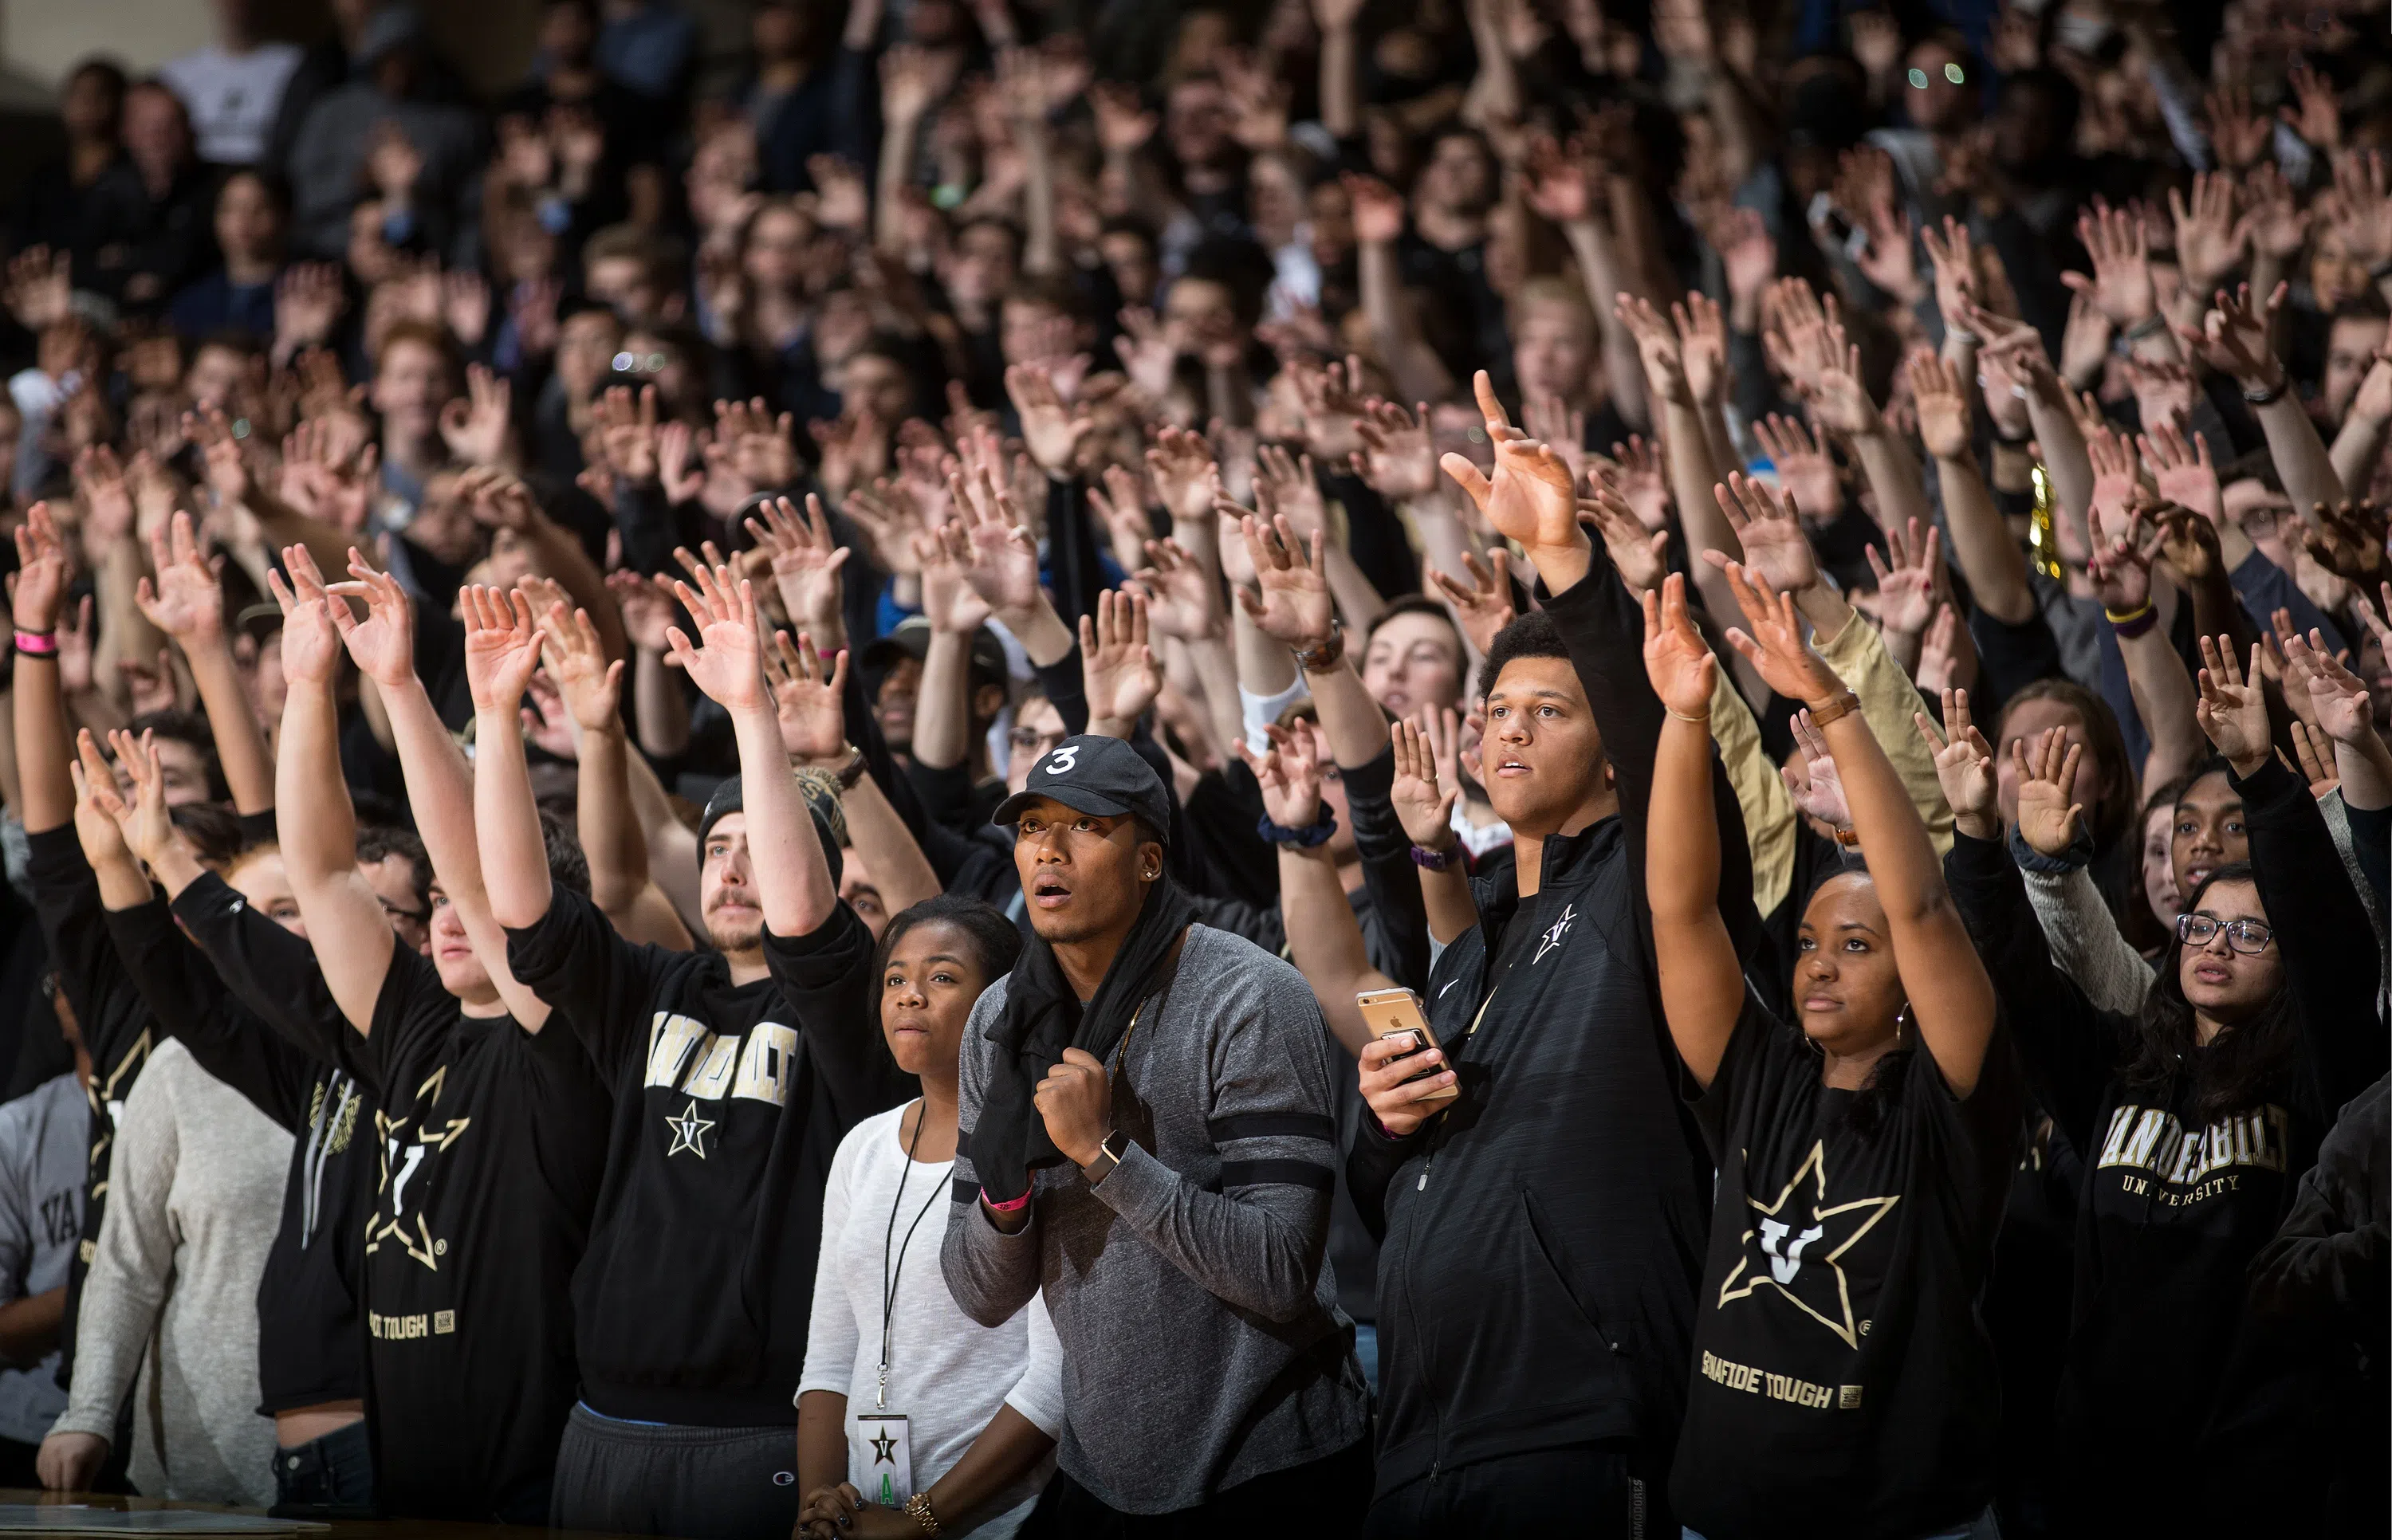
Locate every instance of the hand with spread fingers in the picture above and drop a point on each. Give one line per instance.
(1777, 644)
(1290, 601)
(727, 660)
(1964, 768)
(2048, 817)
(1681, 666)
(1484, 607)
(1532, 498)
(1118, 665)
(2234, 709)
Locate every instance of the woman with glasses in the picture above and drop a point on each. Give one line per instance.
(2196, 1115)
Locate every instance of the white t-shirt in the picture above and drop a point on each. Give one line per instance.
(231, 98)
(947, 1374)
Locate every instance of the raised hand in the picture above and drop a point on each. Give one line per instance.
(2120, 283)
(1940, 396)
(1052, 431)
(1804, 468)
(1775, 547)
(1332, 407)
(1954, 258)
(2121, 570)
(2239, 134)
(1794, 332)
(1905, 579)
(382, 644)
(2233, 338)
(805, 562)
(2182, 470)
(502, 647)
(809, 699)
(1424, 802)
(2048, 817)
(1292, 603)
(1285, 485)
(1640, 480)
(591, 687)
(1532, 498)
(1186, 479)
(1658, 349)
(1964, 768)
(39, 583)
(628, 430)
(100, 810)
(145, 822)
(2347, 541)
(1117, 666)
(2234, 709)
(475, 425)
(1939, 651)
(1817, 789)
(1288, 772)
(1484, 607)
(2210, 244)
(187, 602)
(1003, 559)
(647, 607)
(1676, 659)
(949, 601)
(727, 661)
(1641, 559)
(1777, 645)
(1182, 592)
(311, 642)
(2338, 698)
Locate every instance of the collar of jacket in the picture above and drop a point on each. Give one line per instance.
(1569, 861)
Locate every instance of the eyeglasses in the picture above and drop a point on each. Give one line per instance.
(2248, 937)
(1952, 72)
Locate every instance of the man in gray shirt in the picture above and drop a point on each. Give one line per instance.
(45, 1138)
(1148, 1141)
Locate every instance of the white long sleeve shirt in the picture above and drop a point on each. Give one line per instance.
(947, 1374)
(194, 1197)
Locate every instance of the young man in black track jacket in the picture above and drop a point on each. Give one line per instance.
(1544, 1234)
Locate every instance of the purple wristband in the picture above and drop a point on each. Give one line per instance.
(1435, 861)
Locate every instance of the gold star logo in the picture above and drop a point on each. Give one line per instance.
(689, 1132)
(1785, 1237)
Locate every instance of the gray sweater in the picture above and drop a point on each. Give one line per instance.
(194, 1197)
(1202, 1345)
(44, 1145)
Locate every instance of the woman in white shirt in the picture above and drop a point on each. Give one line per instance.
(908, 1409)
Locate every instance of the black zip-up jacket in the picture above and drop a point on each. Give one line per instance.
(1544, 1236)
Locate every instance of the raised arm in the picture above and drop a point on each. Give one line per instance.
(502, 649)
(792, 876)
(1324, 940)
(1951, 996)
(2162, 692)
(605, 817)
(2346, 714)
(187, 603)
(37, 590)
(1982, 544)
(1702, 986)
(811, 708)
(2234, 340)
(314, 820)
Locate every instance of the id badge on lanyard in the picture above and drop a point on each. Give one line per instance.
(880, 1459)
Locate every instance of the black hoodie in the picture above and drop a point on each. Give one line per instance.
(2179, 1406)
(1544, 1236)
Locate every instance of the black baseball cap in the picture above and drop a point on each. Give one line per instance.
(912, 639)
(1099, 775)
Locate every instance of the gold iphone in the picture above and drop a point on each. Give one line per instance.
(1397, 1012)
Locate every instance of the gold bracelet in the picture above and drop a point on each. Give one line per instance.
(1703, 721)
(918, 1507)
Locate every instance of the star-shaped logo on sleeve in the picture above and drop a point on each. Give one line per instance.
(884, 1449)
(689, 1132)
(1795, 1247)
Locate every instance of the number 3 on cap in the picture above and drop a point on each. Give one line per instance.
(1062, 760)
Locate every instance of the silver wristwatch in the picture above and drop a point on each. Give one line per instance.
(1108, 1156)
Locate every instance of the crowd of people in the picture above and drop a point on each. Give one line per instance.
(1486, 768)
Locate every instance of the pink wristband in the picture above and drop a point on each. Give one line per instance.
(996, 1208)
(38, 644)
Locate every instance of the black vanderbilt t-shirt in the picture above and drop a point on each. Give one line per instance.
(730, 1101)
(1843, 1385)
(492, 1139)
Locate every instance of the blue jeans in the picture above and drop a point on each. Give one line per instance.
(333, 1471)
(1979, 1528)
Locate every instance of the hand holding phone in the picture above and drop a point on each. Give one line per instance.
(1404, 1074)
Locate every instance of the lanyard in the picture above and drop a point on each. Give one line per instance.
(890, 1272)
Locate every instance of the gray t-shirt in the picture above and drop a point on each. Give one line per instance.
(1202, 1345)
(43, 1138)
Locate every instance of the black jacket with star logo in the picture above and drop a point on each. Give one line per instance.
(1544, 1235)
(1842, 1382)
(730, 1101)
